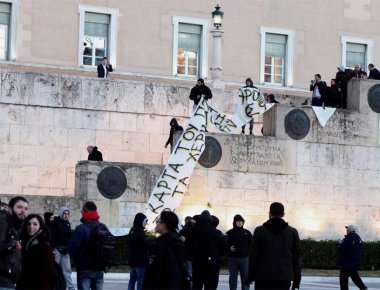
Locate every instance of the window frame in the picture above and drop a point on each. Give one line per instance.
(357, 40)
(112, 33)
(203, 55)
(289, 58)
(11, 37)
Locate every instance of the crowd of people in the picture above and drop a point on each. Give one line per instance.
(38, 253)
(335, 95)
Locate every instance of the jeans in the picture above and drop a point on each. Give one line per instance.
(64, 262)
(236, 266)
(136, 275)
(272, 285)
(250, 127)
(343, 279)
(87, 280)
(205, 275)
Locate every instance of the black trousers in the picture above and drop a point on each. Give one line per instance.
(272, 285)
(205, 275)
(346, 274)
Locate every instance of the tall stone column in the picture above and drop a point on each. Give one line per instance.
(216, 68)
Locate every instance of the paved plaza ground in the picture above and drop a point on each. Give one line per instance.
(119, 281)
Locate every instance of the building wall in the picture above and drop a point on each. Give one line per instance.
(48, 34)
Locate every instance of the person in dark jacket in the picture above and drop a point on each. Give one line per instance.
(207, 245)
(319, 89)
(248, 84)
(374, 73)
(104, 68)
(333, 98)
(137, 251)
(275, 255)
(200, 90)
(37, 256)
(60, 231)
(185, 234)
(83, 251)
(94, 154)
(238, 245)
(10, 247)
(349, 259)
(359, 73)
(166, 268)
(174, 128)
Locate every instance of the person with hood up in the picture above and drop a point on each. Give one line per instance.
(200, 90)
(238, 245)
(83, 247)
(207, 248)
(11, 220)
(350, 252)
(94, 154)
(166, 268)
(37, 256)
(174, 128)
(137, 251)
(60, 230)
(275, 253)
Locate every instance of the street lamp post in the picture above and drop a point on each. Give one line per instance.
(217, 34)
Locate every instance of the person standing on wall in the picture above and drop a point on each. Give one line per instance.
(248, 84)
(275, 253)
(238, 245)
(349, 259)
(200, 90)
(104, 68)
(319, 89)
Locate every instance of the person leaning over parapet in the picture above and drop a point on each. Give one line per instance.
(10, 247)
(349, 259)
(374, 73)
(94, 154)
(198, 91)
(275, 253)
(359, 73)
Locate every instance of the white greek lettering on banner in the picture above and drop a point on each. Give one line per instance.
(174, 180)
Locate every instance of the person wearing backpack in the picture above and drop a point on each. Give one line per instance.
(137, 251)
(91, 247)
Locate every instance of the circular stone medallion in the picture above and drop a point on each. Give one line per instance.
(212, 153)
(111, 182)
(374, 98)
(297, 124)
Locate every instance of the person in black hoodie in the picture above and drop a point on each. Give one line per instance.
(275, 254)
(207, 245)
(248, 84)
(350, 252)
(94, 154)
(200, 90)
(174, 128)
(238, 244)
(166, 268)
(374, 73)
(60, 232)
(137, 251)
